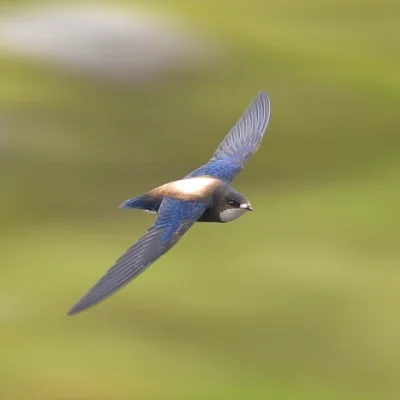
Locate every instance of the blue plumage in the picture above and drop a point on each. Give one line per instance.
(225, 170)
(174, 219)
(143, 202)
(240, 143)
(180, 204)
(174, 213)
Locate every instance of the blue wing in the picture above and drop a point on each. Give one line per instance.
(240, 143)
(175, 217)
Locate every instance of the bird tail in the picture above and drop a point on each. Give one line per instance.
(143, 202)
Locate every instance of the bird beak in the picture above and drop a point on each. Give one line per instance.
(246, 206)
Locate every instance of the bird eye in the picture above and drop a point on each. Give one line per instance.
(234, 203)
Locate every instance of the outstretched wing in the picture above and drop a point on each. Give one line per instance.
(240, 143)
(175, 217)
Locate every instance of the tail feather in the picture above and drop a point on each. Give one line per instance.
(143, 202)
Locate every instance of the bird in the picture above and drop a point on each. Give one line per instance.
(204, 195)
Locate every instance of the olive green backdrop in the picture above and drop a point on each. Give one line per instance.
(297, 300)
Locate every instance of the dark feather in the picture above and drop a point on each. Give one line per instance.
(175, 217)
(143, 202)
(240, 143)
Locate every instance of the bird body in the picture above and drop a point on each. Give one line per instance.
(213, 193)
(205, 195)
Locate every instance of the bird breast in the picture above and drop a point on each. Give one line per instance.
(189, 189)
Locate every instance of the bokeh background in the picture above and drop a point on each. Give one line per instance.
(298, 300)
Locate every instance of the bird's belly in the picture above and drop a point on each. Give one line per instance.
(209, 215)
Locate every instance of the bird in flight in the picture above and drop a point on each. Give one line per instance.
(205, 195)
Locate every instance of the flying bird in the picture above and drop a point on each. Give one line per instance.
(205, 195)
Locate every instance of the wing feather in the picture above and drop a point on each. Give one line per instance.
(175, 217)
(245, 137)
(240, 144)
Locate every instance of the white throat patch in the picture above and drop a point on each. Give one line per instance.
(231, 214)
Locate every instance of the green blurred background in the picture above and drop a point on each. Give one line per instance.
(298, 300)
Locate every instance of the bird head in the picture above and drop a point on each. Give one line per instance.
(233, 205)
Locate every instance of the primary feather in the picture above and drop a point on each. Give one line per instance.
(242, 141)
(175, 217)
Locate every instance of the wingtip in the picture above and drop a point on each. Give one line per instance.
(264, 95)
(80, 306)
(74, 310)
